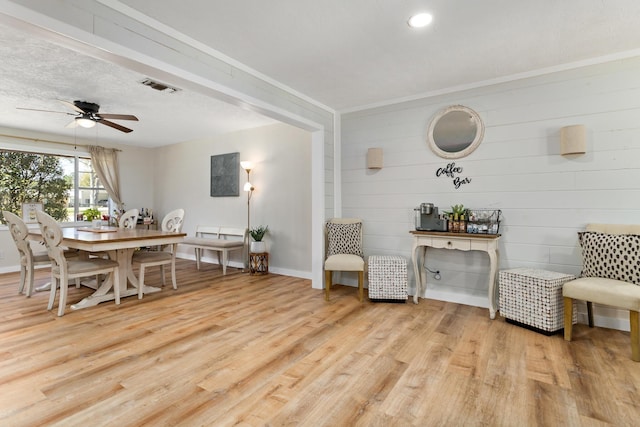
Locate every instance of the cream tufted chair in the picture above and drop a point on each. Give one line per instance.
(344, 251)
(617, 258)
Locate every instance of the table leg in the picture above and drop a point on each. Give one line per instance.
(105, 291)
(417, 256)
(493, 260)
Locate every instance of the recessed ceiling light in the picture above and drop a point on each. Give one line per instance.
(420, 20)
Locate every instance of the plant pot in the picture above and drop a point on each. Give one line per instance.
(258, 247)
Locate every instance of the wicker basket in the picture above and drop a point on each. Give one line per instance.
(483, 221)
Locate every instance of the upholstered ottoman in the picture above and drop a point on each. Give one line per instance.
(533, 299)
(387, 278)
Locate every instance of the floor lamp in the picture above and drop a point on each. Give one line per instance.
(247, 166)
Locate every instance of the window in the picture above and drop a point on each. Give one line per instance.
(66, 185)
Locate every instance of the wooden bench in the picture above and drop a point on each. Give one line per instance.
(220, 239)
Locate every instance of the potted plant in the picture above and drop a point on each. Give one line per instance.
(257, 234)
(91, 214)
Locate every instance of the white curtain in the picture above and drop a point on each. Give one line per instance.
(105, 163)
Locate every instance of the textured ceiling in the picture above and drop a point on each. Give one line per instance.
(344, 54)
(36, 74)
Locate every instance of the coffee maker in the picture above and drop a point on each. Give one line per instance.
(428, 219)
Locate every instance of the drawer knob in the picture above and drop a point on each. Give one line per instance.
(449, 243)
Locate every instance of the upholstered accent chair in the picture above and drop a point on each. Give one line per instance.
(610, 276)
(344, 251)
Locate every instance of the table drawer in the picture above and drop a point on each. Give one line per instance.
(459, 244)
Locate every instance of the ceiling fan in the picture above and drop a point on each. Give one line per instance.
(87, 115)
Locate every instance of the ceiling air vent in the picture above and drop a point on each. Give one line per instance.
(159, 86)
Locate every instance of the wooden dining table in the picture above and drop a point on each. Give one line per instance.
(120, 245)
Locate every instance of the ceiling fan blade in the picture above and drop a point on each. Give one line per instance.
(114, 125)
(118, 116)
(45, 111)
(72, 106)
(72, 125)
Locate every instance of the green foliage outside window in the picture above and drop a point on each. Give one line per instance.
(28, 177)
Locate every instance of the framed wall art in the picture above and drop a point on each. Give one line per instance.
(225, 181)
(29, 212)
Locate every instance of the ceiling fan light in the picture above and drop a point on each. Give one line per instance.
(85, 123)
(420, 20)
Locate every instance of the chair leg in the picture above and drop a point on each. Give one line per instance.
(23, 278)
(162, 278)
(140, 282)
(590, 313)
(52, 293)
(327, 284)
(29, 279)
(198, 258)
(568, 318)
(62, 302)
(225, 260)
(173, 273)
(634, 320)
(116, 285)
(361, 285)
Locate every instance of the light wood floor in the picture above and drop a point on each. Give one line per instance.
(268, 350)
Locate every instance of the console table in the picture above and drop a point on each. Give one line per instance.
(460, 241)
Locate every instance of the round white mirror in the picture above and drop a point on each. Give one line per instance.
(455, 132)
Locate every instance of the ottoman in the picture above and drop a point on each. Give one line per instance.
(533, 299)
(387, 278)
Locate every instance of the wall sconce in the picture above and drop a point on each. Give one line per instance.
(573, 140)
(248, 187)
(374, 158)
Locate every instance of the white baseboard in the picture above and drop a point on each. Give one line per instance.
(458, 298)
(609, 318)
(238, 264)
(617, 323)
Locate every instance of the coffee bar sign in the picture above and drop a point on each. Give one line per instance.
(453, 171)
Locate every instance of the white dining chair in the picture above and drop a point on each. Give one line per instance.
(63, 269)
(172, 222)
(128, 220)
(28, 260)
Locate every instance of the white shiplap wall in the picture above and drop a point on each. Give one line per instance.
(545, 198)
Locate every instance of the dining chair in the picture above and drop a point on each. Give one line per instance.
(63, 269)
(344, 251)
(128, 220)
(172, 222)
(28, 260)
